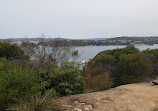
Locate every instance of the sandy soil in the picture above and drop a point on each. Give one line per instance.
(132, 97)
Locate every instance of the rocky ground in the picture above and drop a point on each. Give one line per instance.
(132, 97)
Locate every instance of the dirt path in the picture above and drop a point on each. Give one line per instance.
(133, 97)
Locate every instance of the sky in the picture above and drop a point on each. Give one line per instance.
(78, 19)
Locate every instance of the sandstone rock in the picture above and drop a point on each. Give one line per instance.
(77, 109)
(132, 97)
(88, 107)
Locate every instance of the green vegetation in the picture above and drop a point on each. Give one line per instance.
(11, 51)
(36, 85)
(118, 41)
(37, 103)
(132, 68)
(64, 80)
(15, 82)
(25, 88)
(100, 81)
(123, 66)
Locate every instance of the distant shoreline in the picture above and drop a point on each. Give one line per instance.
(118, 45)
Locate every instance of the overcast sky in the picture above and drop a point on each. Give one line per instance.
(78, 18)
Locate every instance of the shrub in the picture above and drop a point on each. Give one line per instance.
(102, 82)
(124, 66)
(127, 50)
(11, 51)
(98, 79)
(152, 54)
(65, 80)
(97, 71)
(38, 103)
(133, 68)
(15, 83)
(105, 61)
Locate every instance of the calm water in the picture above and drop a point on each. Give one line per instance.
(88, 52)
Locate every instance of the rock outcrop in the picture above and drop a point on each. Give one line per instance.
(132, 97)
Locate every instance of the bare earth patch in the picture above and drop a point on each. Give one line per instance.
(132, 97)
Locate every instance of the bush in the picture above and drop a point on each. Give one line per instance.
(15, 83)
(123, 66)
(65, 80)
(152, 54)
(11, 51)
(102, 82)
(133, 68)
(127, 50)
(104, 60)
(37, 103)
(98, 79)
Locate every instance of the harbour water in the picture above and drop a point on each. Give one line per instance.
(88, 52)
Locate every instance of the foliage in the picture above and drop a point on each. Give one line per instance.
(23, 89)
(124, 66)
(101, 82)
(37, 103)
(28, 48)
(75, 54)
(15, 82)
(98, 79)
(133, 68)
(45, 52)
(11, 51)
(97, 71)
(65, 80)
(152, 54)
(127, 50)
(20, 85)
(105, 60)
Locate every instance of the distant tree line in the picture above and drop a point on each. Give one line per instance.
(119, 41)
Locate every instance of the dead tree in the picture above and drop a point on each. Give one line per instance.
(46, 52)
